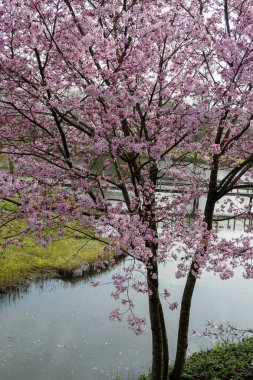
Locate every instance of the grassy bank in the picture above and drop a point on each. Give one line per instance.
(20, 264)
(223, 362)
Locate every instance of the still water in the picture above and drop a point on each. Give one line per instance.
(61, 331)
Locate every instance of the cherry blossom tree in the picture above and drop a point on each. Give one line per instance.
(227, 64)
(101, 101)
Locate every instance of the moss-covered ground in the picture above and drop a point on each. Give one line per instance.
(21, 263)
(18, 264)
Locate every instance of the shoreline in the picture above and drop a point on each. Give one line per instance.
(19, 266)
(26, 279)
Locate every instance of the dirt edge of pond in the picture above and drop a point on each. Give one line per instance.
(26, 279)
(23, 282)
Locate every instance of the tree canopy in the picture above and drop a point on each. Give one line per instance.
(103, 100)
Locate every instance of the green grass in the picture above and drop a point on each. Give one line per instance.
(223, 362)
(233, 361)
(18, 263)
(4, 162)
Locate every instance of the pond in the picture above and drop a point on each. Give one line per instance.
(61, 331)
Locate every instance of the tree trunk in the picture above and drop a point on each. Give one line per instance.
(159, 338)
(165, 372)
(182, 340)
(160, 352)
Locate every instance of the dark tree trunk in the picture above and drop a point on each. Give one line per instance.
(165, 372)
(156, 328)
(160, 352)
(182, 340)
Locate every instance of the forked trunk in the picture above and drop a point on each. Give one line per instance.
(160, 355)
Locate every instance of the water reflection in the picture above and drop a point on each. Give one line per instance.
(14, 294)
(60, 330)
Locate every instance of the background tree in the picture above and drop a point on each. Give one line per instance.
(227, 64)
